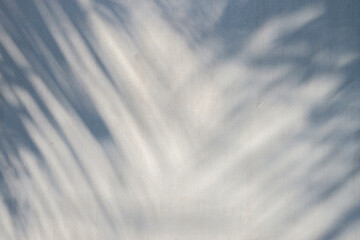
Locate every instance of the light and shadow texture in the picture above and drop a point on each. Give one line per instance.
(179, 119)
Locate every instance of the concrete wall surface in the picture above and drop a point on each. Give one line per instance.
(179, 119)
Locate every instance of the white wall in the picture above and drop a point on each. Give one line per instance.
(155, 119)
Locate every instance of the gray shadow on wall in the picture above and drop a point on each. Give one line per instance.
(334, 33)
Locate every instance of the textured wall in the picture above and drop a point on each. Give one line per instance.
(179, 119)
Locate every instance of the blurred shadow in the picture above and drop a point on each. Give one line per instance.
(145, 119)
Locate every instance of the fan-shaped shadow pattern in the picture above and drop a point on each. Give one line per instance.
(179, 119)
